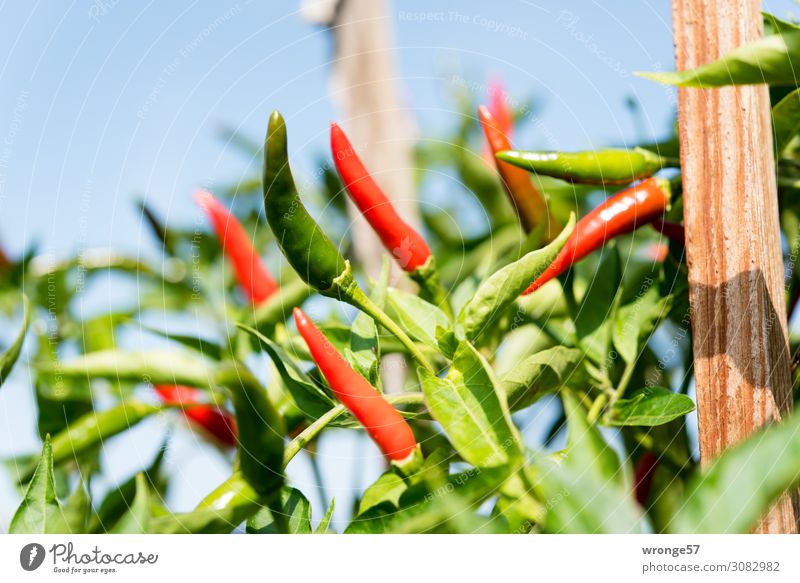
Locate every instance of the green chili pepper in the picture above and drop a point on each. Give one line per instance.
(612, 166)
(307, 248)
(261, 430)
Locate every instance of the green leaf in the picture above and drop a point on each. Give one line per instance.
(584, 491)
(388, 488)
(775, 25)
(156, 367)
(774, 59)
(324, 524)
(40, 511)
(436, 506)
(542, 373)
(595, 315)
(363, 353)
(296, 509)
(99, 332)
(732, 493)
(77, 509)
(308, 396)
(10, 356)
(580, 503)
(503, 287)
(137, 519)
(635, 321)
(230, 504)
(786, 120)
(117, 502)
(418, 317)
(198, 522)
(586, 447)
(648, 407)
(204, 347)
(472, 411)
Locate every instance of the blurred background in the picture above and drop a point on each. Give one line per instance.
(108, 102)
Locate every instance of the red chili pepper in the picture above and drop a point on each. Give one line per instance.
(499, 108)
(214, 420)
(252, 275)
(385, 425)
(643, 476)
(528, 202)
(618, 215)
(400, 239)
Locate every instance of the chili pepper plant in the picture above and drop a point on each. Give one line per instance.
(547, 347)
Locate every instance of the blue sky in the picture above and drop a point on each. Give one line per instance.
(104, 100)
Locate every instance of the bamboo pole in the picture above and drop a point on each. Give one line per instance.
(741, 351)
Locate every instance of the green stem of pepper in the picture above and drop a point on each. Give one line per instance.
(346, 289)
(622, 385)
(313, 430)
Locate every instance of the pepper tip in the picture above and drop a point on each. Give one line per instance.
(203, 198)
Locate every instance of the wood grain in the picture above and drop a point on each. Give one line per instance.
(741, 351)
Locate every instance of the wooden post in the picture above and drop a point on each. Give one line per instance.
(741, 351)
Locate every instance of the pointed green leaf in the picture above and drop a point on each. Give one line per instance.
(387, 488)
(594, 316)
(584, 492)
(503, 287)
(205, 348)
(40, 511)
(137, 519)
(220, 512)
(586, 447)
(635, 321)
(324, 524)
(418, 317)
(542, 373)
(296, 509)
(445, 505)
(261, 430)
(472, 411)
(786, 120)
(279, 306)
(10, 356)
(774, 59)
(732, 493)
(648, 407)
(308, 396)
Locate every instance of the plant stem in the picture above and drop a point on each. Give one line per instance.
(623, 383)
(356, 297)
(597, 406)
(310, 432)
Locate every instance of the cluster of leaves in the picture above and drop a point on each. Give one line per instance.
(605, 350)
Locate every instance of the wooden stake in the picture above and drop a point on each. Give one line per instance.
(741, 350)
